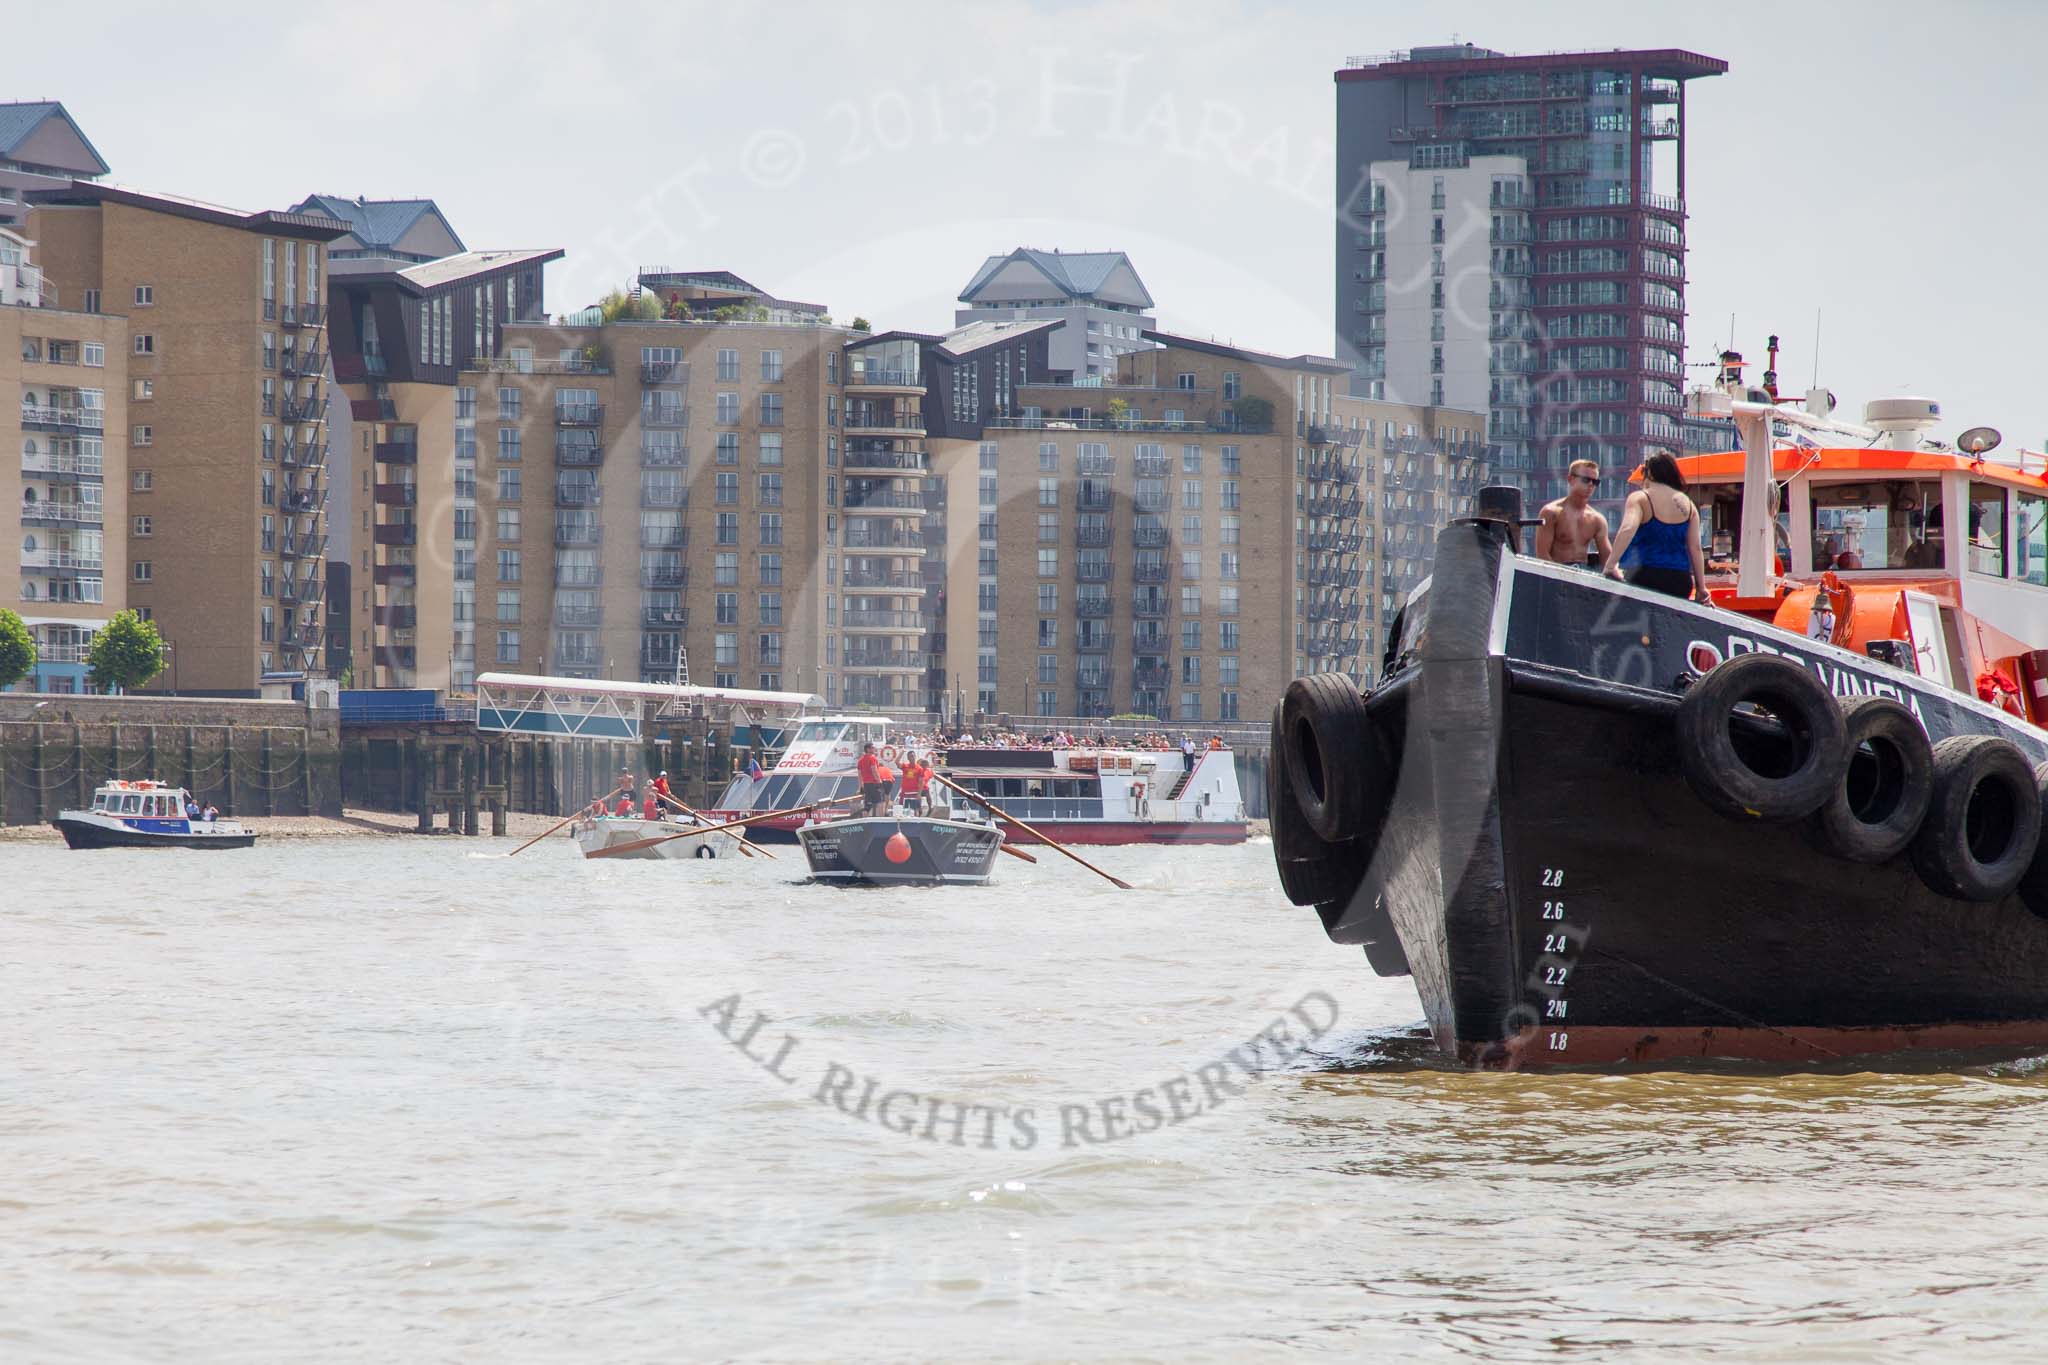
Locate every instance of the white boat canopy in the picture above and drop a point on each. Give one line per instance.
(595, 708)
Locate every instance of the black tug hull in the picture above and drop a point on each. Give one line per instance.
(1561, 896)
(940, 852)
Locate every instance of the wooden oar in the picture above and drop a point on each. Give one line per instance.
(747, 846)
(1118, 882)
(551, 829)
(637, 844)
(1015, 852)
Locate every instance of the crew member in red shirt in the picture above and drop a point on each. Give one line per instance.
(872, 792)
(917, 780)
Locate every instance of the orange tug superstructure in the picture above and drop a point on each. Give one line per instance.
(1871, 529)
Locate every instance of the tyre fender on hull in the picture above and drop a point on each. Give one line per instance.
(1312, 872)
(1983, 826)
(1335, 762)
(1744, 773)
(1886, 787)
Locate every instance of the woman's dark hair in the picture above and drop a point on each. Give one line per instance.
(1662, 468)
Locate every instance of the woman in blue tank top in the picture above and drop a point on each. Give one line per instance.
(1659, 540)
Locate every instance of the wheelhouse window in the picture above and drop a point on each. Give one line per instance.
(1720, 507)
(2030, 541)
(1887, 524)
(1987, 529)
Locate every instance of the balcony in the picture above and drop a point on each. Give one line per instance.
(1098, 466)
(1331, 471)
(1330, 542)
(1093, 537)
(1148, 573)
(302, 409)
(858, 457)
(1094, 573)
(1151, 502)
(44, 417)
(579, 414)
(579, 616)
(396, 656)
(401, 534)
(577, 495)
(50, 467)
(311, 455)
(664, 372)
(1095, 642)
(1149, 604)
(577, 658)
(1151, 466)
(396, 452)
(667, 576)
(311, 365)
(60, 512)
(887, 379)
(395, 618)
(894, 660)
(390, 495)
(871, 539)
(859, 420)
(1093, 606)
(298, 502)
(385, 575)
(664, 416)
(881, 620)
(308, 546)
(876, 578)
(293, 316)
(60, 562)
(1150, 537)
(664, 618)
(883, 502)
(577, 454)
(576, 536)
(1149, 675)
(578, 576)
(1341, 508)
(664, 496)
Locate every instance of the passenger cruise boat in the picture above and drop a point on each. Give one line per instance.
(1801, 823)
(1079, 795)
(146, 815)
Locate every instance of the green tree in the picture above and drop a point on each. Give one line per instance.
(1253, 413)
(862, 325)
(17, 649)
(619, 304)
(1119, 411)
(127, 653)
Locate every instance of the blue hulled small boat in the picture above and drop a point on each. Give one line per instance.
(147, 815)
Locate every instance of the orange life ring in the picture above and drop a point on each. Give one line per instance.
(888, 753)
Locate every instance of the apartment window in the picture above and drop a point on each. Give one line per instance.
(145, 343)
(1191, 638)
(509, 566)
(141, 435)
(725, 648)
(465, 563)
(143, 389)
(508, 646)
(269, 397)
(1191, 601)
(1191, 669)
(771, 490)
(269, 486)
(1226, 564)
(1048, 528)
(1048, 563)
(508, 485)
(93, 353)
(1048, 598)
(144, 570)
(987, 528)
(728, 528)
(1228, 534)
(771, 608)
(508, 605)
(1184, 380)
(1048, 668)
(728, 408)
(726, 606)
(510, 447)
(1226, 599)
(269, 578)
(771, 448)
(770, 571)
(1191, 530)
(465, 523)
(142, 527)
(1048, 632)
(725, 570)
(729, 366)
(1048, 492)
(142, 480)
(771, 367)
(726, 489)
(1190, 459)
(771, 528)
(771, 409)
(987, 490)
(508, 405)
(1226, 638)
(508, 523)
(1230, 460)
(1049, 458)
(1190, 704)
(1191, 494)
(1191, 564)
(988, 454)
(269, 622)
(91, 303)
(145, 296)
(465, 403)
(771, 650)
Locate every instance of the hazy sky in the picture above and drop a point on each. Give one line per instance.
(1869, 160)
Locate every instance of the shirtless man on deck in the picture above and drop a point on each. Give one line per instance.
(1571, 528)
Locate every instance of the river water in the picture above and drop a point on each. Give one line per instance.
(390, 1099)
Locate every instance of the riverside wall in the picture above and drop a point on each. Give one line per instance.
(247, 757)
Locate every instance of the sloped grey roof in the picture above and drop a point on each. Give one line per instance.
(1078, 274)
(18, 120)
(975, 335)
(448, 269)
(376, 222)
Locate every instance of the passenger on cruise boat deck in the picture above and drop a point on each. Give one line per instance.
(1570, 530)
